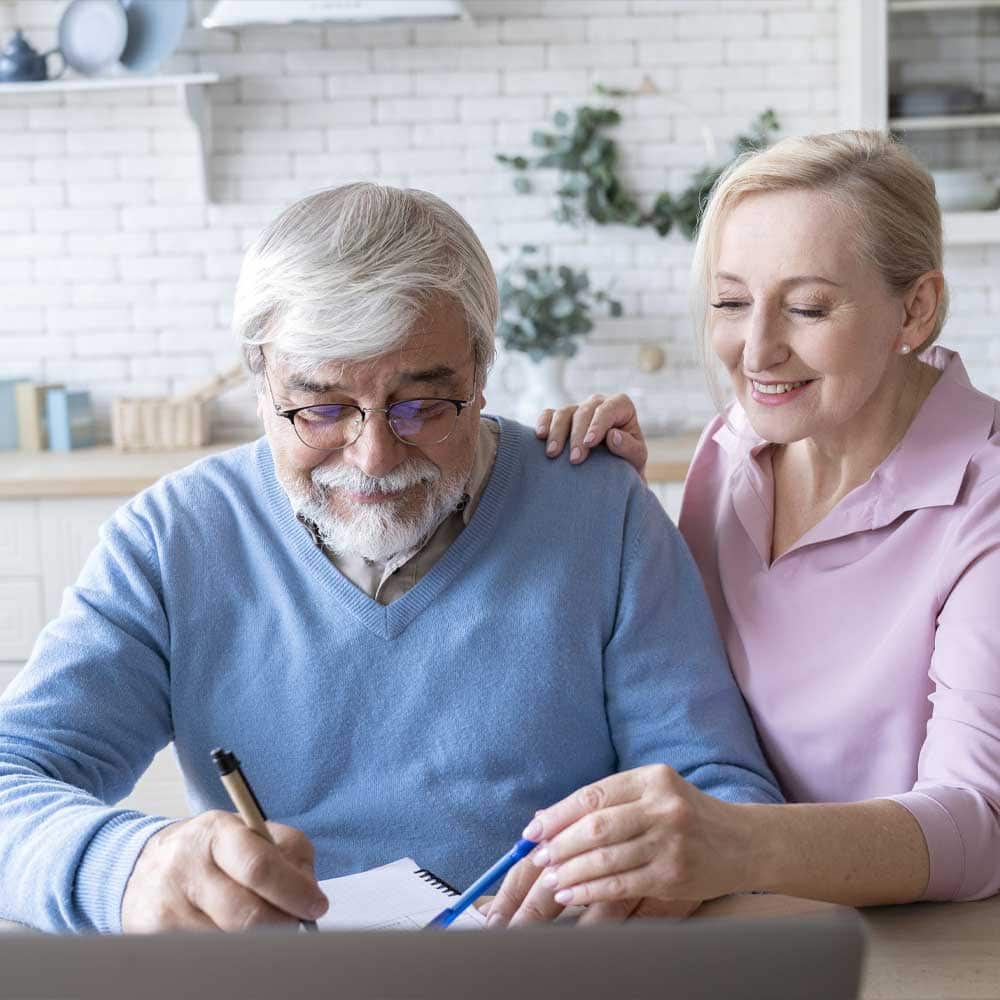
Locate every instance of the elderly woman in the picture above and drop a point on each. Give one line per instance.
(844, 512)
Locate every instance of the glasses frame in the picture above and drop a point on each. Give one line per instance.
(291, 413)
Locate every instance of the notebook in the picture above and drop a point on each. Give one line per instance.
(397, 896)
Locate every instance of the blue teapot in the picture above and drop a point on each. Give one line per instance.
(19, 62)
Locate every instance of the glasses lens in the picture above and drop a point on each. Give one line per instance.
(422, 421)
(329, 426)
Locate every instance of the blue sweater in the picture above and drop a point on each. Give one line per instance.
(563, 636)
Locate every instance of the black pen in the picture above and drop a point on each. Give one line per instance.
(242, 796)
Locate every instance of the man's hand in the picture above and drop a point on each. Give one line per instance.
(211, 872)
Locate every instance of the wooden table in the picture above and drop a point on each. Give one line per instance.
(928, 951)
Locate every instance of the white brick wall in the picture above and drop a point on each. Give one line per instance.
(114, 276)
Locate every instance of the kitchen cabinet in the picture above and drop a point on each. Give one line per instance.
(882, 48)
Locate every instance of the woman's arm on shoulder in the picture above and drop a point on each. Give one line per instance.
(610, 420)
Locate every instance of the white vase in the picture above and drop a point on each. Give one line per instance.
(544, 387)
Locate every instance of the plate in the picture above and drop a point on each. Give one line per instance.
(155, 28)
(92, 35)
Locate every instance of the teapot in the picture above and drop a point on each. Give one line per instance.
(19, 62)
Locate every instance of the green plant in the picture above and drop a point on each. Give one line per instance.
(545, 309)
(587, 161)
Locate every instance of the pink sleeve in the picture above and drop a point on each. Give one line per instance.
(956, 798)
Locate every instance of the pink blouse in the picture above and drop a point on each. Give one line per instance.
(869, 652)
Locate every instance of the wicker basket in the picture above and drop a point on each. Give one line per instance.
(165, 423)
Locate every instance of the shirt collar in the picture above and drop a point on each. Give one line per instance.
(928, 466)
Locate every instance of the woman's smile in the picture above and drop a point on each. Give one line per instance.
(777, 393)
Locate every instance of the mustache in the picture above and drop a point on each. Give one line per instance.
(412, 473)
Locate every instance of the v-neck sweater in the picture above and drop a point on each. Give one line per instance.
(564, 635)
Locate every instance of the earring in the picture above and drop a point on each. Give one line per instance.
(905, 349)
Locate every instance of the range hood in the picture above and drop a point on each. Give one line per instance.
(238, 13)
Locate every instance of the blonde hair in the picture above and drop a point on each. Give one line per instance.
(889, 195)
(344, 274)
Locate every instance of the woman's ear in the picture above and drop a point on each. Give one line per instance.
(922, 304)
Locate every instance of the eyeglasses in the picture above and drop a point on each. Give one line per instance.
(332, 426)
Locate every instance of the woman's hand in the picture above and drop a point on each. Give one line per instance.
(611, 420)
(644, 833)
(522, 899)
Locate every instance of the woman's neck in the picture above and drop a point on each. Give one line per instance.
(828, 468)
(813, 475)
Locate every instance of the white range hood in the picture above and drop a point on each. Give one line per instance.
(237, 13)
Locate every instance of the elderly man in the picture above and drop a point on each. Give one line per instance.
(412, 627)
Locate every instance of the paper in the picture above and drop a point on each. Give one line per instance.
(394, 897)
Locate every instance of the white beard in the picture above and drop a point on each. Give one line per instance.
(374, 531)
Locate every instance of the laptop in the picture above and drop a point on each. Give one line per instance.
(814, 957)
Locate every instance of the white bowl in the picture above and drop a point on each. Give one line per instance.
(964, 190)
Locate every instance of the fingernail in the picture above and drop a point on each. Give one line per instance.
(575, 455)
(589, 438)
(552, 448)
(533, 830)
(550, 879)
(496, 920)
(318, 907)
(616, 438)
(541, 857)
(564, 897)
(540, 429)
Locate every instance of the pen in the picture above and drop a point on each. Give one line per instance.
(242, 796)
(447, 917)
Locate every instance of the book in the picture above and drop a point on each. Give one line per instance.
(8, 413)
(69, 419)
(397, 896)
(32, 432)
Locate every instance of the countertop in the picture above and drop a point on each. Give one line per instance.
(103, 471)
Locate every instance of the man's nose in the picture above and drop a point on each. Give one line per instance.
(377, 450)
(764, 346)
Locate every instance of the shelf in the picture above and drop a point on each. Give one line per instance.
(911, 6)
(971, 227)
(929, 123)
(189, 88)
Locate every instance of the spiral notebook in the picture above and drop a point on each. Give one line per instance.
(397, 896)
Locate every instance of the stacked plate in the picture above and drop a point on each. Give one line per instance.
(965, 190)
(95, 34)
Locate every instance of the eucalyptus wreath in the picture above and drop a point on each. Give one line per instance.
(589, 185)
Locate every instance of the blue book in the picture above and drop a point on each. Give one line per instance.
(8, 413)
(70, 419)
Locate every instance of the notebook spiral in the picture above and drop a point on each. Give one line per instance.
(439, 883)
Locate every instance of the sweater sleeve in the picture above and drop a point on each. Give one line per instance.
(78, 726)
(671, 697)
(956, 798)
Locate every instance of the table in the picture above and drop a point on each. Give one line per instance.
(927, 951)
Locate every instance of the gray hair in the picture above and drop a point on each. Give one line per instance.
(889, 195)
(346, 273)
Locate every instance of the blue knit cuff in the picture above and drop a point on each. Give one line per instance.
(107, 864)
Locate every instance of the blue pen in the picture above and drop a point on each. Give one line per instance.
(447, 917)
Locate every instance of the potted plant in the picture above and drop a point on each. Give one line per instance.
(544, 311)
